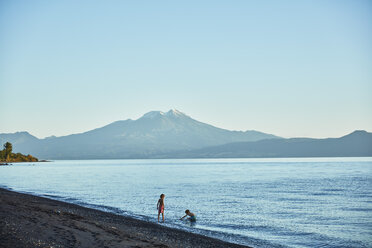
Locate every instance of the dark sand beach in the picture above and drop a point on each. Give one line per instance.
(31, 221)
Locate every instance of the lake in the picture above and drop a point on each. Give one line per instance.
(307, 202)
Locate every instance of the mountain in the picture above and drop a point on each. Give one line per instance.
(356, 144)
(21, 140)
(17, 138)
(154, 133)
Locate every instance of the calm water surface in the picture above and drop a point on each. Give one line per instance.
(317, 202)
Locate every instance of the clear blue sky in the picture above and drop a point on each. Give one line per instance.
(291, 68)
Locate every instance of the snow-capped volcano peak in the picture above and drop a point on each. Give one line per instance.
(152, 114)
(174, 112)
(156, 114)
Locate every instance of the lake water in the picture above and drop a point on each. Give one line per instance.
(314, 202)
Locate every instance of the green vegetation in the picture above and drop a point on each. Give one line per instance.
(6, 155)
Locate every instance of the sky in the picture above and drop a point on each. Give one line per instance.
(290, 68)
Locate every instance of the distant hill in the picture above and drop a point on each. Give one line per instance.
(356, 144)
(153, 134)
(17, 138)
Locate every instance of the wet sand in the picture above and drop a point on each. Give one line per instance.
(31, 221)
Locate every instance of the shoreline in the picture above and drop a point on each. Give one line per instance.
(34, 221)
(19, 162)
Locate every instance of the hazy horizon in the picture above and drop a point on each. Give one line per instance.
(165, 112)
(292, 69)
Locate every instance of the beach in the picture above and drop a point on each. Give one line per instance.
(32, 221)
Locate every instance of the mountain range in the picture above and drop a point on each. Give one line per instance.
(355, 144)
(155, 133)
(173, 134)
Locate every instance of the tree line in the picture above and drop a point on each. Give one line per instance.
(7, 155)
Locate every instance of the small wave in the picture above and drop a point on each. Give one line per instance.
(333, 190)
(323, 194)
(255, 227)
(52, 196)
(358, 209)
(6, 187)
(294, 199)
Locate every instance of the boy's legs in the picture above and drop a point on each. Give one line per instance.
(162, 216)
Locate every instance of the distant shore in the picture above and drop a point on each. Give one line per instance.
(32, 221)
(10, 163)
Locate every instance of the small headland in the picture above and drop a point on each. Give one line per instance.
(7, 156)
